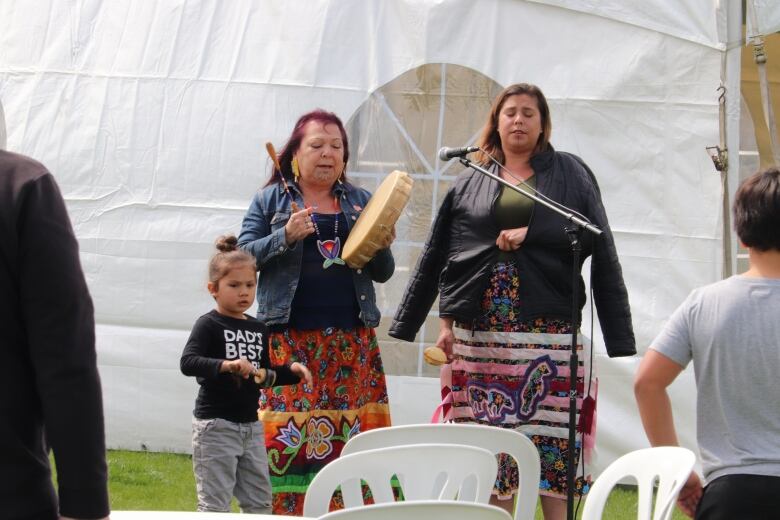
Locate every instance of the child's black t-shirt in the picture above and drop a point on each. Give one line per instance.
(215, 338)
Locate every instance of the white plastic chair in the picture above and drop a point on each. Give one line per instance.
(496, 440)
(421, 510)
(670, 465)
(418, 469)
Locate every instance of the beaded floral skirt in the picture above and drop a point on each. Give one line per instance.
(515, 374)
(305, 429)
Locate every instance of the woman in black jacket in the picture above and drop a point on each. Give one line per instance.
(504, 269)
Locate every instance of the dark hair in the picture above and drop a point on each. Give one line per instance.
(490, 141)
(294, 142)
(757, 210)
(227, 257)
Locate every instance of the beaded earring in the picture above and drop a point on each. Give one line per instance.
(296, 172)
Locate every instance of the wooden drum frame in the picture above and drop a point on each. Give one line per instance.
(375, 224)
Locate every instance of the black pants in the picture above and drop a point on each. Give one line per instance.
(740, 497)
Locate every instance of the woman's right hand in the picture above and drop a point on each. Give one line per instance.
(511, 239)
(446, 337)
(299, 226)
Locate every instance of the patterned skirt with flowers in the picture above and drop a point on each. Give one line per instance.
(306, 428)
(515, 374)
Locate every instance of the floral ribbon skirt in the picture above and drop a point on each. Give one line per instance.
(305, 429)
(515, 374)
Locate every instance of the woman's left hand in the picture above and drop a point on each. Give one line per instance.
(301, 371)
(388, 238)
(510, 239)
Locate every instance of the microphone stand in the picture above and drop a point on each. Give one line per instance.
(573, 232)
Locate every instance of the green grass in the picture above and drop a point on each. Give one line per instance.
(151, 481)
(164, 482)
(621, 505)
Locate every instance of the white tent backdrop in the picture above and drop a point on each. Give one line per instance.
(2, 127)
(766, 19)
(152, 115)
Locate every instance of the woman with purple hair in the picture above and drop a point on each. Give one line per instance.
(320, 312)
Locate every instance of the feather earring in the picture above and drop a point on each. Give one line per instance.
(296, 172)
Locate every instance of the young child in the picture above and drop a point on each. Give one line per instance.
(228, 353)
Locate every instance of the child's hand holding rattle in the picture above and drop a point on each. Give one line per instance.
(240, 367)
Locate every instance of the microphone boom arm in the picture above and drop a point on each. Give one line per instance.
(568, 215)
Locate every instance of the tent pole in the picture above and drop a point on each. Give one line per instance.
(729, 127)
(759, 56)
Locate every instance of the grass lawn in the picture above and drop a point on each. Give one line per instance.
(164, 481)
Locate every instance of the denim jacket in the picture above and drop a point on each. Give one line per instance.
(262, 235)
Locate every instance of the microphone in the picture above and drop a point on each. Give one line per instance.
(445, 154)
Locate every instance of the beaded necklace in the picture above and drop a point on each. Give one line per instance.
(329, 249)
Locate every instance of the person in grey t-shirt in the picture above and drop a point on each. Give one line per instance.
(731, 331)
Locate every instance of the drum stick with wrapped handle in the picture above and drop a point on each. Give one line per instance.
(272, 153)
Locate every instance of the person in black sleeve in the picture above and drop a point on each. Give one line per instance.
(228, 353)
(50, 382)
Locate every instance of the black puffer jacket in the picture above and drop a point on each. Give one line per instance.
(461, 251)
